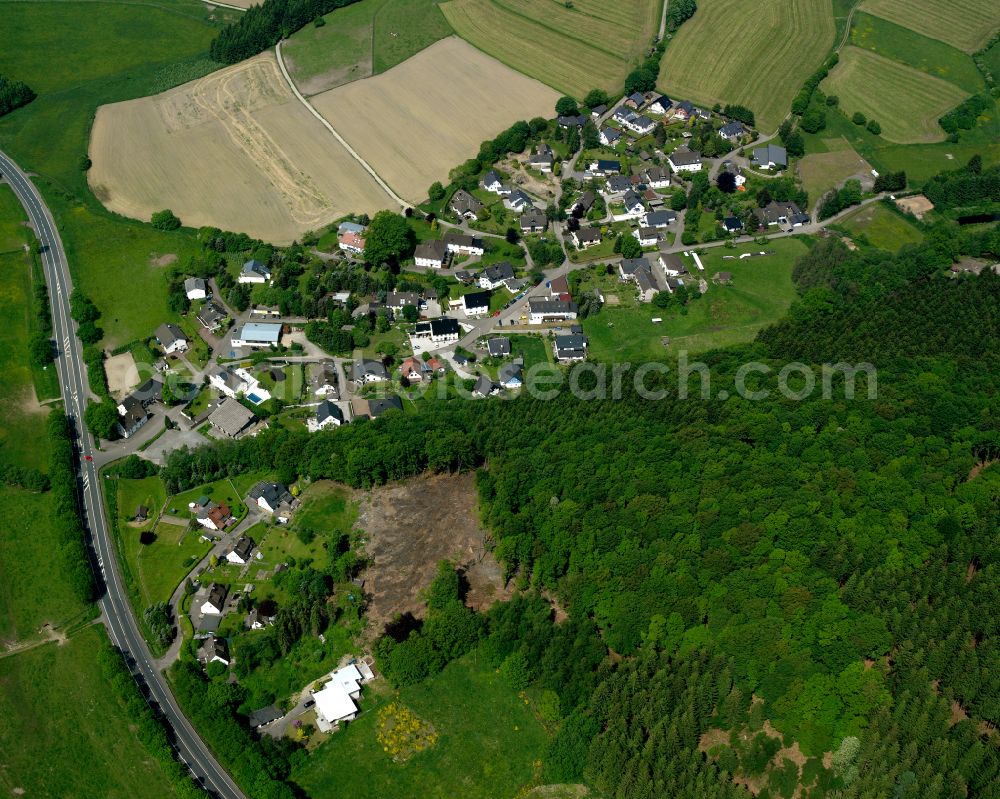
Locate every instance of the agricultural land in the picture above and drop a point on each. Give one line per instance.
(728, 53)
(882, 227)
(361, 40)
(965, 24)
(234, 149)
(571, 47)
(400, 124)
(821, 172)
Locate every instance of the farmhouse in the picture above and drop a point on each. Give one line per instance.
(231, 418)
(495, 275)
(533, 221)
(540, 311)
(646, 236)
(351, 242)
(240, 553)
(659, 219)
(257, 334)
(440, 331)
(542, 159)
(571, 347)
(661, 105)
(684, 160)
(195, 288)
(465, 205)
(171, 338)
(466, 245)
(770, 157)
(733, 131)
(365, 370)
(431, 254)
(586, 237)
(254, 271)
(215, 602)
(273, 498)
(476, 303)
(211, 315)
(609, 137)
(492, 182)
(327, 415)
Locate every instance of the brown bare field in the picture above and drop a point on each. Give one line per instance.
(413, 525)
(423, 117)
(233, 150)
(918, 205)
(122, 374)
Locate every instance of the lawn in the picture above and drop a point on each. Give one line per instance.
(326, 507)
(965, 24)
(110, 52)
(905, 101)
(63, 731)
(882, 227)
(221, 491)
(760, 294)
(361, 40)
(573, 49)
(758, 56)
(821, 172)
(484, 754)
(920, 52)
(532, 348)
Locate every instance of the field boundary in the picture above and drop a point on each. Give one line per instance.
(353, 153)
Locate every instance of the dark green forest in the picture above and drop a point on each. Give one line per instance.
(13, 94)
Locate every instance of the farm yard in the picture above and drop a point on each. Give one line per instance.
(965, 24)
(398, 123)
(906, 102)
(591, 45)
(727, 53)
(235, 150)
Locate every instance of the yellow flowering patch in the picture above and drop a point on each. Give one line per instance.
(402, 734)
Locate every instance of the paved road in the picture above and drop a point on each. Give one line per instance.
(116, 612)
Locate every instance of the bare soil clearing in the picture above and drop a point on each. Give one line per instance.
(413, 525)
(122, 374)
(234, 150)
(918, 205)
(415, 122)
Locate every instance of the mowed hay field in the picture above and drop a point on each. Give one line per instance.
(234, 150)
(821, 172)
(906, 102)
(965, 24)
(415, 122)
(594, 44)
(755, 54)
(361, 40)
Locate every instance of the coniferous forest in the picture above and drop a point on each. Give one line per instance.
(774, 595)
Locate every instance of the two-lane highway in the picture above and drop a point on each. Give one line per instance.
(116, 610)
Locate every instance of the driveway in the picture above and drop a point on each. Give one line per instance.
(172, 439)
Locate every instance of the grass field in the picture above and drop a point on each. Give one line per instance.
(759, 56)
(992, 59)
(821, 172)
(882, 227)
(591, 45)
(64, 733)
(234, 149)
(760, 294)
(965, 24)
(479, 755)
(906, 102)
(398, 121)
(361, 40)
(920, 52)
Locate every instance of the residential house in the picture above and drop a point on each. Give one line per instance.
(494, 276)
(533, 221)
(465, 245)
(211, 316)
(671, 264)
(604, 166)
(231, 418)
(350, 227)
(171, 338)
(571, 347)
(412, 369)
(498, 347)
(441, 330)
(617, 184)
(584, 203)
(646, 236)
(257, 334)
(732, 224)
(518, 200)
(645, 285)
(214, 650)
(214, 516)
(775, 213)
(132, 415)
(241, 551)
(335, 703)
(542, 159)
(659, 219)
(376, 407)
(492, 182)
(598, 111)
(634, 207)
(195, 288)
(586, 237)
(733, 131)
(215, 603)
(274, 498)
(609, 137)
(673, 283)
(325, 381)
(254, 271)
(229, 381)
(770, 156)
(540, 311)
(327, 415)
(476, 303)
(640, 124)
(265, 716)
(365, 370)
(485, 387)
(558, 287)
(661, 105)
(567, 122)
(685, 110)
(684, 160)
(465, 205)
(431, 254)
(351, 242)
(627, 267)
(510, 375)
(398, 300)
(656, 177)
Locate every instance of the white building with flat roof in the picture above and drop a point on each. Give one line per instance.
(336, 701)
(257, 334)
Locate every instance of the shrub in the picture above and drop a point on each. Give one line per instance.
(165, 220)
(859, 118)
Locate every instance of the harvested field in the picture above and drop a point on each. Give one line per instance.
(576, 49)
(405, 122)
(413, 525)
(906, 102)
(729, 53)
(965, 24)
(234, 150)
